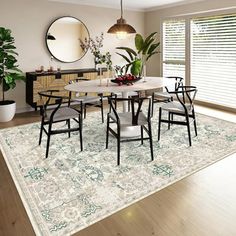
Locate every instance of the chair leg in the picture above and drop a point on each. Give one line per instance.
(159, 124)
(41, 132)
(102, 111)
(107, 133)
(81, 109)
(188, 127)
(68, 123)
(128, 106)
(80, 133)
(141, 134)
(118, 146)
(194, 123)
(48, 140)
(85, 109)
(152, 104)
(169, 119)
(150, 139)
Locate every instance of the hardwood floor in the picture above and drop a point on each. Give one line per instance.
(202, 204)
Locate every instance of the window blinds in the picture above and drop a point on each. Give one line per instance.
(213, 59)
(174, 48)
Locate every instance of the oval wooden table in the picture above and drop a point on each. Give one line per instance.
(104, 85)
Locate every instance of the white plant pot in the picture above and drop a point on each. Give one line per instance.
(7, 111)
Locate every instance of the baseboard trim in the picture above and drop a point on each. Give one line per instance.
(24, 109)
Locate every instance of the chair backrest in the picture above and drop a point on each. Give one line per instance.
(46, 97)
(136, 107)
(178, 82)
(185, 95)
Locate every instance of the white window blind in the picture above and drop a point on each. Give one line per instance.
(174, 48)
(213, 59)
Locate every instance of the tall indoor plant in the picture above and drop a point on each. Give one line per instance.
(145, 49)
(9, 73)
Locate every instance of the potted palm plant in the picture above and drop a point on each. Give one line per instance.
(145, 49)
(9, 73)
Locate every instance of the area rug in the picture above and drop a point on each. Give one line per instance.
(72, 190)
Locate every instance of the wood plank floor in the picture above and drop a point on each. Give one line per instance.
(203, 204)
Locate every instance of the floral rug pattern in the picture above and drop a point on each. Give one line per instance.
(72, 189)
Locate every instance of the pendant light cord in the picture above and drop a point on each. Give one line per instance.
(121, 8)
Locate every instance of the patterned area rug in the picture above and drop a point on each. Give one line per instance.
(72, 190)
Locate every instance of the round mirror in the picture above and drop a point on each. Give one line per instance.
(63, 39)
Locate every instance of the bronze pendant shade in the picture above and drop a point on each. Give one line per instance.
(121, 25)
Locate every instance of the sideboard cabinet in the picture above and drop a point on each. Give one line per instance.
(36, 82)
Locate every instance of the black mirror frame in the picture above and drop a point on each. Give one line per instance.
(48, 32)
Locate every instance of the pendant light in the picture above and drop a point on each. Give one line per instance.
(121, 28)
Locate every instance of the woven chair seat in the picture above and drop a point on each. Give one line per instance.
(162, 95)
(176, 107)
(126, 119)
(86, 99)
(63, 113)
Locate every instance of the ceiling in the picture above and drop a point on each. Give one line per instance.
(137, 5)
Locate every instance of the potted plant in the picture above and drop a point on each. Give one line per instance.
(136, 60)
(9, 73)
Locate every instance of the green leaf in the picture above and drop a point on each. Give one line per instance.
(8, 79)
(126, 58)
(6, 86)
(147, 45)
(127, 66)
(150, 55)
(5, 34)
(11, 52)
(130, 50)
(136, 67)
(8, 46)
(153, 48)
(139, 43)
(152, 35)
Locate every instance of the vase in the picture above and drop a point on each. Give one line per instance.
(96, 63)
(144, 73)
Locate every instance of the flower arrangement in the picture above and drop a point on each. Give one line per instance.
(94, 45)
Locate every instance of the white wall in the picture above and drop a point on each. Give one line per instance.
(29, 20)
(153, 20)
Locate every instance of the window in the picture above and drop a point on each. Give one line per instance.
(213, 59)
(174, 48)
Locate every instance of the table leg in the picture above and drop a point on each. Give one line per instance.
(125, 104)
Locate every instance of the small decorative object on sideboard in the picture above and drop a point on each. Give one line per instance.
(40, 69)
(126, 79)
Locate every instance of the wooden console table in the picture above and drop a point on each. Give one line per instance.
(36, 82)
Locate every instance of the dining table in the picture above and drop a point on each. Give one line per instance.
(106, 86)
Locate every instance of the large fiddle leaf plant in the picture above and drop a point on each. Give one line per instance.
(9, 71)
(145, 49)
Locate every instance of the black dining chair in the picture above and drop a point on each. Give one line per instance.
(52, 113)
(86, 100)
(135, 118)
(182, 106)
(165, 96)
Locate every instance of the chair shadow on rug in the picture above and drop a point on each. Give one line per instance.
(51, 115)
